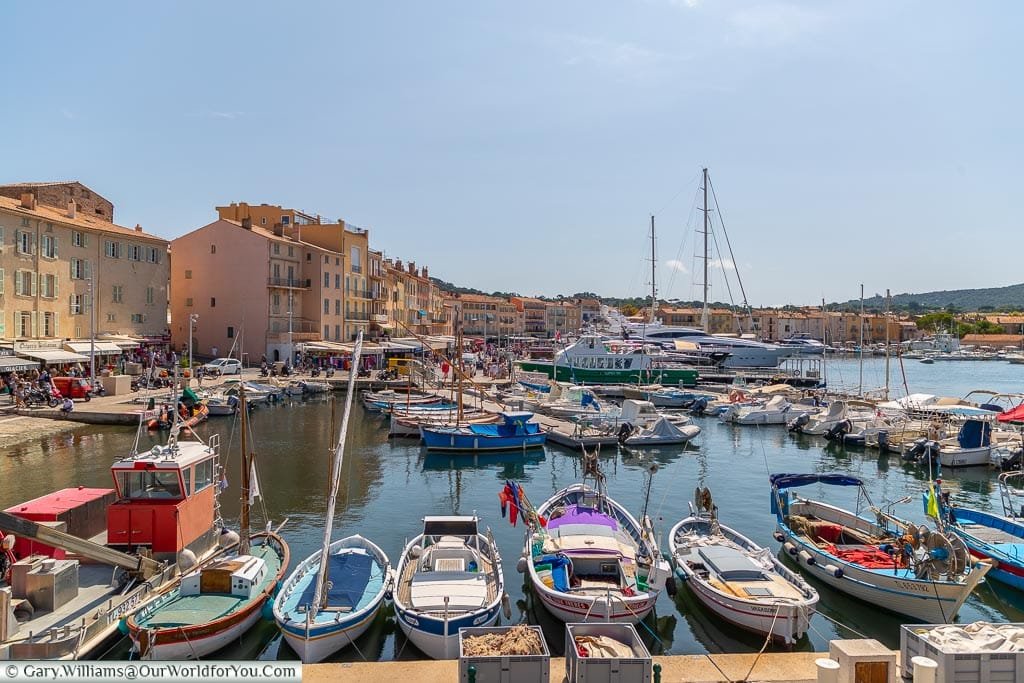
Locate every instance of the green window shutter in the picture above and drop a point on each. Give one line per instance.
(33, 317)
(54, 292)
(1, 282)
(35, 283)
(17, 282)
(54, 246)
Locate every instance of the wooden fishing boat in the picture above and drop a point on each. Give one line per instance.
(216, 604)
(587, 557)
(513, 432)
(889, 563)
(332, 597)
(736, 579)
(449, 577)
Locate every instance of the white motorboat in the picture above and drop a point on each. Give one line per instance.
(449, 577)
(776, 411)
(736, 579)
(662, 433)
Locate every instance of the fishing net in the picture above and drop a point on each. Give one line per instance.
(517, 640)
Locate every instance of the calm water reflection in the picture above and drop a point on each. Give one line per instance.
(389, 485)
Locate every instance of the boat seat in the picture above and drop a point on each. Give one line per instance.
(449, 564)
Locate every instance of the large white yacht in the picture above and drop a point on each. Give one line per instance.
(743, 353)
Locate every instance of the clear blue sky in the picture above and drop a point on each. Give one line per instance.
(522, 146)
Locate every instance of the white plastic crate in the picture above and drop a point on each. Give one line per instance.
(505, 669)
(959, 667)
(637, 669)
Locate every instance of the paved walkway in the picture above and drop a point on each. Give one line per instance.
(790, 667)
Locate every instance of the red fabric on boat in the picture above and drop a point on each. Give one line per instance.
(1015, 415)
(829, 533)
(864, 556)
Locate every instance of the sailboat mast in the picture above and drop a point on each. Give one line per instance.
(860, 389)
(461, 365)
(654, 291)
(704, 311)
(319, 594)
(888, 306)
(243, 517)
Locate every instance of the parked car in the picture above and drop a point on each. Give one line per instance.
(223, 366)
(73, 387)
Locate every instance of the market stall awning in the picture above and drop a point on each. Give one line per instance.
(12, 364)
(54, 356)
(122, 341)
(102, 348)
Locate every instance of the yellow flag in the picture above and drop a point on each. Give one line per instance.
(933, 503)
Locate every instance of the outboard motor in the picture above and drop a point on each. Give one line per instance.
(625, 431)
(837, 431)
(798, 422)
(916, 450)
(699, 406)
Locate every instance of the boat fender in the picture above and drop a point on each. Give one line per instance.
(506, 606)
(122, 626)
(521, 565)
(789, 548)
(806, 557)
(267, 613)
(670, 587)
(834, 570)
(186, 560)
(227, 538)
(779, 536)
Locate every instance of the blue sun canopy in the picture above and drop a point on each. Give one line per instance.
(787, 481)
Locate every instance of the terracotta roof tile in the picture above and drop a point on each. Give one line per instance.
(49, 213)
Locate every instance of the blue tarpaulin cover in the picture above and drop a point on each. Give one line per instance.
(786, 481)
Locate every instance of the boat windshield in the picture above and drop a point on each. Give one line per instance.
(150, 484)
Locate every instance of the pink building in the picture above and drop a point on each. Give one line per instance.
(262, 290)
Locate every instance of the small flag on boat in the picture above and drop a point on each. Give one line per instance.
(254, 484)
(933, 503)
(224, 482)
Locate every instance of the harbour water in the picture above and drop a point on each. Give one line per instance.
(388, 486)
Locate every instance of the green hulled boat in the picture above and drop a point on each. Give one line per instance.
(593, 361)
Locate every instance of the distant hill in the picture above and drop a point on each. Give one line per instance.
(1010, 298)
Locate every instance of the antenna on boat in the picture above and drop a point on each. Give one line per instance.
(172, 440)
(651, 471)
(705, 210)
(654, 291)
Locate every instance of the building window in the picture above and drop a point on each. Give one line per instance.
(78, 239)
(327, 331)
(188, 302)
(277, 300)
(50, 286)
(309, 257)
(25, 241)
(291, 250)
(231, 332)
(118, 297)
(138, 317)
(49, 324)
(213, 302)
(327, 259)
(327, 306)
(337, 332)
(354, 263)
(134, 252)
(277, 249)
(263, 221)
(77, 304)
(153, 255)
(112, 249)
(111, 318)
(25, 283)
(213, 248)
(337, 307)
(24, 319)
(327, 280)
(1, 280)
(285, 220)
(337, 260)
(48, 246)
(149, 295)
(188, 274)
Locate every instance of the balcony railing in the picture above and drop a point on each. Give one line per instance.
(288, 283)
(356, 315)
(361, 293)
(356, 269)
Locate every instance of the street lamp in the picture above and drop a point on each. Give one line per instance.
(192, 320)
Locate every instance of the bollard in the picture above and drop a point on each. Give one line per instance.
(828, 670)
(925, 669)
(657, 673)
(472, 673)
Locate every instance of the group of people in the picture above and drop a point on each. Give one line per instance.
(19, 384)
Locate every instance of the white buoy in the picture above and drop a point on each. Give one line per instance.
(806, 557)
(834, 570)
(828, 670)
(227, 538)
(522, 565)
(186, 560)
(789, 548)
(925, 669)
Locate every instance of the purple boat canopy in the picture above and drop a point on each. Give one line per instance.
(787, 481)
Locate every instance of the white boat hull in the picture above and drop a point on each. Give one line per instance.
(966, 457)
(198, 648)
(319, 647)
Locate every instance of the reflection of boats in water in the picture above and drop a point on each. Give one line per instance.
(455, 461)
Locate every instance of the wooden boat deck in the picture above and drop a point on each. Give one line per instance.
(409, 571)
(990, 535)
(775, 585)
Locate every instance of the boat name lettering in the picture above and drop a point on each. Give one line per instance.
(572, 603)
(126, 607)
(912, 586)
(411, 620)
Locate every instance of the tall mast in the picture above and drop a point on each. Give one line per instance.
(860, 390)
(888, 304)
(704, 311)
(243, 517)
(320, 594)
(461, 364)
(654, 291)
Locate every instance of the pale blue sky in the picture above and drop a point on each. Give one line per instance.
(522, 146)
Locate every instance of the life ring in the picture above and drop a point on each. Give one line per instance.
(737, 396)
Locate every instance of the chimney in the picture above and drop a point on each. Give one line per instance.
(425, 273)
(296, 233)
(412, 267)
(71, 209)
(247, 223)
(28, 201)
(278, 230)
(138, 228)
(398, 265)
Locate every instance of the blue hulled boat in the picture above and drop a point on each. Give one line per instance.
(513, 432)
